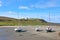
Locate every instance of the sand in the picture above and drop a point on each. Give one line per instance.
(8, 33)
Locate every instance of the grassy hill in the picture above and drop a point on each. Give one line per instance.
(7, 21)
(32, 21)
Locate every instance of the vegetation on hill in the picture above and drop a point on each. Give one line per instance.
(6, 21)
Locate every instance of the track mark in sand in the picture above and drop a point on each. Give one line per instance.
(33, 35)
(20, 35)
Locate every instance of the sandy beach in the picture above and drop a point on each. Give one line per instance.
(8, 33)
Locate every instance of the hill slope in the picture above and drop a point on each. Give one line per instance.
(7, 21)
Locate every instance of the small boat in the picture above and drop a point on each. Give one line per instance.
(38, 29)
(49, 29)
(19, 29)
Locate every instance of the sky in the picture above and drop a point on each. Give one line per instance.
(31, 9)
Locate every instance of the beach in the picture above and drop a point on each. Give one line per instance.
(8, 33)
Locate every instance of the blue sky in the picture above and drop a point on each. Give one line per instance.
(31, 9)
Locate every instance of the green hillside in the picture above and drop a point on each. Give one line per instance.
(32, 21)
(6, 21)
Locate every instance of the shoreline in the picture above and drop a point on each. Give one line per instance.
(29, 25)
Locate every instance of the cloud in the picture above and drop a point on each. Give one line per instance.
(24, 7)
(8, 12)
(46, 4)
(0, 3)
(42, 4)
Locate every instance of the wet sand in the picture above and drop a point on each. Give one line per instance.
(8, 33)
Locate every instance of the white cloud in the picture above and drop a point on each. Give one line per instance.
(48, 4)
(8, 12)
(24, 7)
(0, 3)
(42, 4)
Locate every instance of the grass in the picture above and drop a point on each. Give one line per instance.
(6, 21)
(15, 23)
